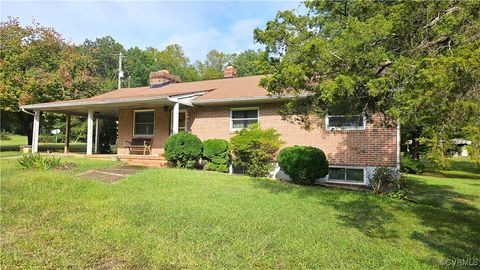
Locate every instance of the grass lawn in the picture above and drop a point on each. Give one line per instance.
(169, 218)
(17, 140)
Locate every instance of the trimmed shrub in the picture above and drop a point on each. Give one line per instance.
(409, 165)
(217, 154)
(254, 149)
(183, 149)
(38, 162)
(304, 164)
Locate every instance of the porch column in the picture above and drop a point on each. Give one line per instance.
(90, 132)
(36, 131)
(176, 113)
(96, 135)
(66, 148)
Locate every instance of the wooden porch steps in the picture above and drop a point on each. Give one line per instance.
(140, 160)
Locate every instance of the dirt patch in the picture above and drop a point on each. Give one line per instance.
(110, 175)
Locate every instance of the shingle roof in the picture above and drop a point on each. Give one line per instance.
(233, 88)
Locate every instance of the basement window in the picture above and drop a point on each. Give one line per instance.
(345, 122)
(143, 123)
(346, 175)
(241, 118)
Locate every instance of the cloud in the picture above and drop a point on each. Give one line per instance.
(237, 37)
(197, 26)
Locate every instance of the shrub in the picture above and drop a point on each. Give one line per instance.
(385, 181)
(183, 149)
(304, 164)
(4, 136)
(254, 149)
(381, 179)
(38, 162)
(217, 155)
(409, 165)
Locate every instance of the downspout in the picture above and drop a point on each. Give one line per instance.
(27, 112)
(398, 145)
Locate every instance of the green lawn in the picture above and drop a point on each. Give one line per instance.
(17, 140)
(168, 218)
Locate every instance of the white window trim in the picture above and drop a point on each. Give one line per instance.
(134, 122)
(243, 109)
(336, 181)
(186, 120)
(327, 124)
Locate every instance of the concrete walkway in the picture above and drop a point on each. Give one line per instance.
(110, 175)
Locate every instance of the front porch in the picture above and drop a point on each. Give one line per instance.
(151, 121)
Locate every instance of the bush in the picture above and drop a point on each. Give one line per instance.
(385, 181)
(217, 155)
(409, 165)
(38, 162)
(304, 164)
(381, 179)
(4, 136)
(183, 149)
(254, 149)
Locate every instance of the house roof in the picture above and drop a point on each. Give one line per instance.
(212, 91)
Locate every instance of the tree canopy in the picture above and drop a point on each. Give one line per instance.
(415, 62)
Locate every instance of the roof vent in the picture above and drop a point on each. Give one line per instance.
(229, 72)
(161, 78)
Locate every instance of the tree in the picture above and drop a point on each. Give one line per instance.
(415, 62)
(247, 63)
(37, 66)
(137, 65)
(212, 67)
(173, 59)
(105, 52)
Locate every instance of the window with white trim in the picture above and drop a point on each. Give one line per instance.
(345, 122)
(143, 123)
(345, 174)
(243, 117)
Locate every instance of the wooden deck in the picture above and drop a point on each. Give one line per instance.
(139, 160)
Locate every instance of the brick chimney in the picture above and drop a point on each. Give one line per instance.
(161, 78)
(229, 72)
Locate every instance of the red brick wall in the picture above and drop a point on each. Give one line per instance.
(370, 147)
(161, 129)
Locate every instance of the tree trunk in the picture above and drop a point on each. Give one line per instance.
(26, 122)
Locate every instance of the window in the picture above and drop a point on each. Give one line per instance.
(345, 122)
(242, 118)
(182, 121)
(354, 175)
(143, 123)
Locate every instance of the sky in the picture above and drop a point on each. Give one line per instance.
(198, 26)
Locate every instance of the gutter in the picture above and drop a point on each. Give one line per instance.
(241, 99)
(91, 102)
(25, 111)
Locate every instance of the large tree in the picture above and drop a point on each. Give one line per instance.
(416, 62)
(38, 65)
(173, 59)
(215, 62)
(247, 63)
(137, 65)
(105, 51)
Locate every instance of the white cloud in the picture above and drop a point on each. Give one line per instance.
(196, 44)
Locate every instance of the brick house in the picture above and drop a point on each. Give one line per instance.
(217, 109)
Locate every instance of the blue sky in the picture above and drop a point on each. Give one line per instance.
(198, 26)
